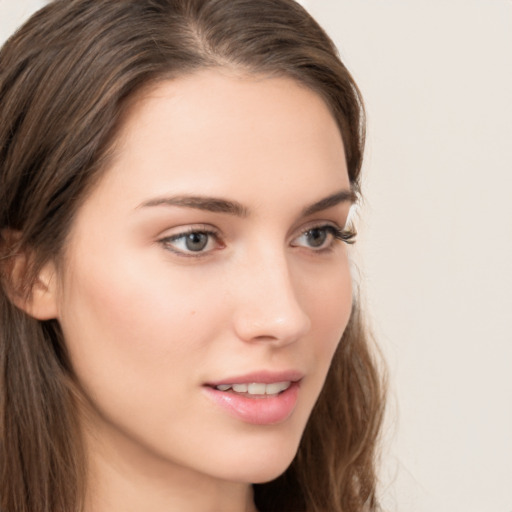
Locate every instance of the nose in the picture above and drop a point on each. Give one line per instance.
(267, 305)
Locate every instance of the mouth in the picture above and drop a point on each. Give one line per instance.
(255, 389)
(261, 398)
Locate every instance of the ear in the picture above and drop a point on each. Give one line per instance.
(36, 296)
(41, 300)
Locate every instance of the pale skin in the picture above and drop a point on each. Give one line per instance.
(149, 318)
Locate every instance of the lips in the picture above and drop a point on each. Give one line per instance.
(263, 377)
(260, 398)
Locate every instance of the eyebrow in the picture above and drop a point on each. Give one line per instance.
(219, 205)
(343, 196)
(210, 204)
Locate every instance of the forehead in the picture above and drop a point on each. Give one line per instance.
(201, 130)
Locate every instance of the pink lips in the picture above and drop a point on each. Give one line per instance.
(258, 410)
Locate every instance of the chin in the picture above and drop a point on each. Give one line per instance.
(262, 464)
(270, 474)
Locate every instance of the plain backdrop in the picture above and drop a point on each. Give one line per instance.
(435, 248)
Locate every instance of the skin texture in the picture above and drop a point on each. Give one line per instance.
(149, 324)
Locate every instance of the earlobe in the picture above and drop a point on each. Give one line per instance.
(37, 296)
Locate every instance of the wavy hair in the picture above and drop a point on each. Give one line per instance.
(66, 79)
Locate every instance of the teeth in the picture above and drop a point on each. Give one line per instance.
(277, 387)
(256, 388)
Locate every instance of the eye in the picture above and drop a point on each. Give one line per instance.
(324, 237)
(193, 242)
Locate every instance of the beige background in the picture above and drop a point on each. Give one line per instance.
(436, 239)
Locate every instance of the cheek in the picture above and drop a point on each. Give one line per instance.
(328, 298)
(132, 323)
(330, 305)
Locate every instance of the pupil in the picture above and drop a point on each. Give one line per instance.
(196, 241)
(317, 237)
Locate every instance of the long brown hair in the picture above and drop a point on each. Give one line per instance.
(66, 78)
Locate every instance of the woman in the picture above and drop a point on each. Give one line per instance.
(176, 178)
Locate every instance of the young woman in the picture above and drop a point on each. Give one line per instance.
(175, 182)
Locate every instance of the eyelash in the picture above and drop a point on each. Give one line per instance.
(347, 236)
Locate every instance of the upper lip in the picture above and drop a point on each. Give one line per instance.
(262, 376)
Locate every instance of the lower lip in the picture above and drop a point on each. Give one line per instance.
(267, 410)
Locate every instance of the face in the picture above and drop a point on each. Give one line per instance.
(206, 286)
